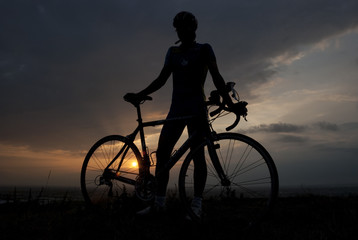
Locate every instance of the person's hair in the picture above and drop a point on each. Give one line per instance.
(186, 21)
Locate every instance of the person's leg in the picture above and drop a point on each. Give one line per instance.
(169, 136)
(199, 125)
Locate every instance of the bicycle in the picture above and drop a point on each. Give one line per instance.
(242, 180)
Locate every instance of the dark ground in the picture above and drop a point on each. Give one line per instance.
(303, 217)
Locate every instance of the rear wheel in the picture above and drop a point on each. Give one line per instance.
(249, 190)
(109, 171)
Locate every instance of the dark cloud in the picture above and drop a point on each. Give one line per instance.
(65, 65)
(327, 126)
(253, 32)
(292, 139)
(349, 126)
(278, 128)
(294, 128)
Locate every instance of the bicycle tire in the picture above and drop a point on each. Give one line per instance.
(103, 190)
(253, 179)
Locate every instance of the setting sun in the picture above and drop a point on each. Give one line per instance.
(134, 164)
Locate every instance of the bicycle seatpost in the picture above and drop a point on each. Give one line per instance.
(139, 114)
(145, 156)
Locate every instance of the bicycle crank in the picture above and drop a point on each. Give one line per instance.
(145, 187)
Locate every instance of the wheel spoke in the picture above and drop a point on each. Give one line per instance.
(248, 168)
(252, 184)
(102, 189)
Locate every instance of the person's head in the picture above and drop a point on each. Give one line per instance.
(185, 24)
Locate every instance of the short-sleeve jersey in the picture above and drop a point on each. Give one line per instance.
(189, 67)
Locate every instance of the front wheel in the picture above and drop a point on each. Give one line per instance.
(109, 171)
(243, 194)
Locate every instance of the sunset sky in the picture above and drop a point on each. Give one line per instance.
(65, 66)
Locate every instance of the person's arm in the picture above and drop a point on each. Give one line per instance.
(157, 83)
(219, 81)
(154, 86)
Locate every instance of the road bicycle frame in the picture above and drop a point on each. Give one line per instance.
(140, 128)
(145, 163)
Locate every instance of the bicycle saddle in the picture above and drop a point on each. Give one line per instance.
(136, 99)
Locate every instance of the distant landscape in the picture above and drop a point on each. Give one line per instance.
(51, 193)
(60, 213)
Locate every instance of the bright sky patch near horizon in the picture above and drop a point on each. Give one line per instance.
(65, 65)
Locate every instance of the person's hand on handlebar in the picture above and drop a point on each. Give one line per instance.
(239, 109)
(224, 102)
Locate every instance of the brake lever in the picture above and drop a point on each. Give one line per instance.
(235, 123)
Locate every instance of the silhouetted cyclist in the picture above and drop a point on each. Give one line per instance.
(189, 64)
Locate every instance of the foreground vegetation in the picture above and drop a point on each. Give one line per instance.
(302, 217)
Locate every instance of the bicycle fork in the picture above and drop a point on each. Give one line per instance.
(225, 182)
